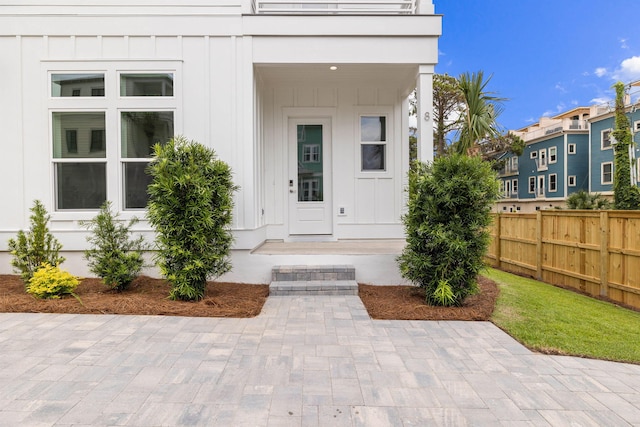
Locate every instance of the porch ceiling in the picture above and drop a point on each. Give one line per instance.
(401, 76)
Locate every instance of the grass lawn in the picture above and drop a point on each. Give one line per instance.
(549, 319)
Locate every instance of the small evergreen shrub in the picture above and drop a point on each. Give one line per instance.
(585, 200)
(51, 282)
(35, 247)
(446, 225)
(114, 255)
(190, 207)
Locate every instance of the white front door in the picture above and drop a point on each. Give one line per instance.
(309, 182)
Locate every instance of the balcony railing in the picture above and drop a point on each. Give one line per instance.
(565, 124)
(336, 7)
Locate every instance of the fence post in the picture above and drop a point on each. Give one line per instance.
(604, 253)
(539, 245)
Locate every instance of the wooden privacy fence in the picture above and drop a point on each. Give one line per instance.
(597, 252)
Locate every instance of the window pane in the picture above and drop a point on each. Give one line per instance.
(71, 138)
(373, 129)
(136, 181)
(142, 130)
(606, 138)
(373, 157)
(80, 185)
(310, 166)
(157, 84)
(73, 135)
(63, 85)
(97, 140)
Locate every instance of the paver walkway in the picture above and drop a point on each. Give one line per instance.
(311, 361)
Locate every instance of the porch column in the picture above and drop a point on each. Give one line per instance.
(424, 103)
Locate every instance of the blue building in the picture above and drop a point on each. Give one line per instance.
(602, 144)
(566, 153)
(553, 165)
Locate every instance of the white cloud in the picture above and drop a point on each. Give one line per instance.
(574, 102)
(600, 71)
(629, 70)
(623, 43)
(600, 100)
(559, 109)
(560, 88)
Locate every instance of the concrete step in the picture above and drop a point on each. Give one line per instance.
(297, 273)
(313, 287)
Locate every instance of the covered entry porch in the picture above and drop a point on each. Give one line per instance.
(374, 260)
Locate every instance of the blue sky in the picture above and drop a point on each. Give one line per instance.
(546, 56)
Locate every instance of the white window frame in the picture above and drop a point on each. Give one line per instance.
(112, 104)
(309, 186)
(312, 151)
(540, 186)
(532, 188)
(542, 160)
(507, 188)
(602, 139)
(553, 154)
(388, 143)
(554, 181)
(602, 165)
(571, 148)
(514, 187)
(533, 155)
(636, 126)
(571, 180)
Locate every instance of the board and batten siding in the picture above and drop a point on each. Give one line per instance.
(213, 79)
(368, 198)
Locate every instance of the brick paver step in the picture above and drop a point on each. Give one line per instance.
(313, 287)
(296, 273)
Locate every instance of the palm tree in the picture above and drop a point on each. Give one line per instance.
(481, 110)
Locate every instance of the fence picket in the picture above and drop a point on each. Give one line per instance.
(594, 252)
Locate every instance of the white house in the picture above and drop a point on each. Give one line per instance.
(306, 100)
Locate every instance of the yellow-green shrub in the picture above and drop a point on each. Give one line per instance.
(51, 282)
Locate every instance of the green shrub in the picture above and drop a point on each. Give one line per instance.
(585, 200)
(51, 282)
(190, 207)
(35, 247)
(114, 256)
(446, 225)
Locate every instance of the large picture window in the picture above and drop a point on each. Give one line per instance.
(102, 147)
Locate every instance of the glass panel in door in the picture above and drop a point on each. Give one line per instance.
(310, 177)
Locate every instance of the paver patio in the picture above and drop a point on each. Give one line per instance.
(304, 361)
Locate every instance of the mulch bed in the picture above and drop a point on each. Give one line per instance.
(148, 296)
(145, 295)
(408, 303)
